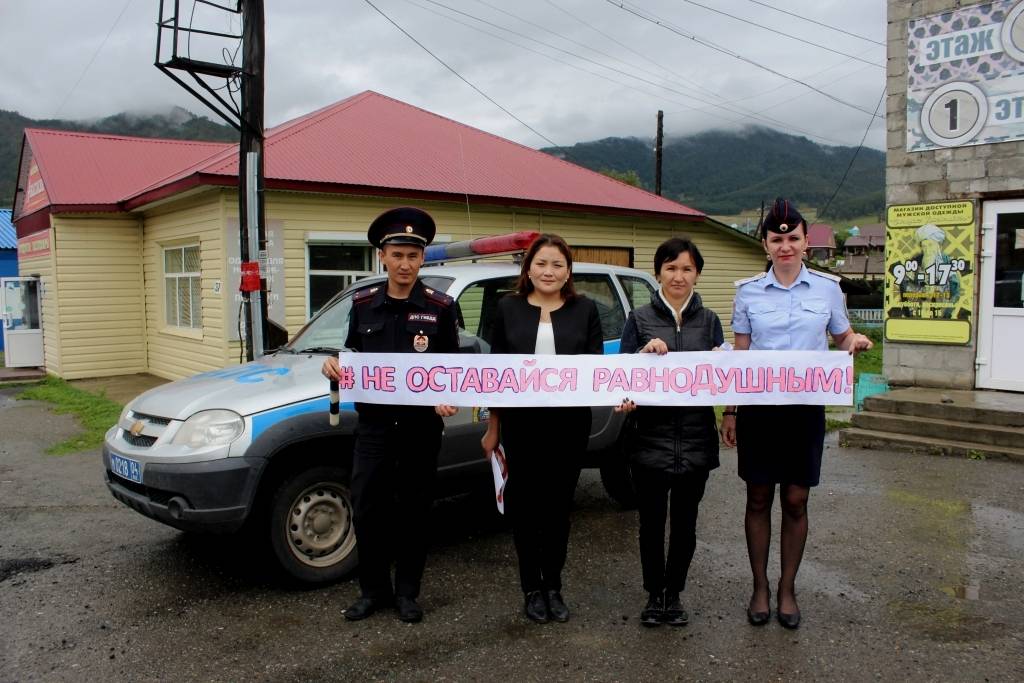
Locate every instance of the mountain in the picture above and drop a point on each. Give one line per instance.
(178, 124)
(723, 172)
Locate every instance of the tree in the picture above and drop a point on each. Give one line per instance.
(629, 177)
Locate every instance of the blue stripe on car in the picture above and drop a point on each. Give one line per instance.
(264, 421)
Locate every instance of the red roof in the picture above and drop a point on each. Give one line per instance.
(820, 235)
(87, 169)
(366, 143)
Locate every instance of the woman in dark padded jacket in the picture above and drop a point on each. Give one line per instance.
(672, 448)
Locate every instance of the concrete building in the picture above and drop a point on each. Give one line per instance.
(136, 241)
(955, 192)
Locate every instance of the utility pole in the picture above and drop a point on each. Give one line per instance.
(658, 140)
(252, 224)
(213, 83)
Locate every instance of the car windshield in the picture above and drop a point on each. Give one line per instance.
(325, 333)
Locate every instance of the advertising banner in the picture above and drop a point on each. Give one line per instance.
(929, 280)
(511, 380)
(965, 76)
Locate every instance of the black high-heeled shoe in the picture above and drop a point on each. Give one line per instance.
(760, 618)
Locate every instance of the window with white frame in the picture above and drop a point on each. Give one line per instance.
(333, 266)
(182, 287)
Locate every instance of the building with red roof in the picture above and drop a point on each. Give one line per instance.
(821, 242)
(141, 269)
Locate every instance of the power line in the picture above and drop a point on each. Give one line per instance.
(782, 33)
(459, 76)
(828, 26)
(93, 59)
(854, 157)
(718, 48)
(717, 106)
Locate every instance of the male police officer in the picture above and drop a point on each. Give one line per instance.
(396, 447)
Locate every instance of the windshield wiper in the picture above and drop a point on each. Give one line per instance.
(280, 349)
(320, 349)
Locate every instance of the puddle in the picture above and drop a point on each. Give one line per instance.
(964, 591)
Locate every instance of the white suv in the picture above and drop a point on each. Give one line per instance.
(251, 446)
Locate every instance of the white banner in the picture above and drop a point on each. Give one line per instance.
(514, 381)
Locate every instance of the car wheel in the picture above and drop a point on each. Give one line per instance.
(311, 525)
(617, 479)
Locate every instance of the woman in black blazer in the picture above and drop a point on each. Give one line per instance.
(544, 446)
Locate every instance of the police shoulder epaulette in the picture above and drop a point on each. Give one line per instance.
(827, 276)
(364, 294)
(438, 297)
(752, 278)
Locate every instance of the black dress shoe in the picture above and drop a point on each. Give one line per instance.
(759, 618)
(535, 607)
(653, 613)
(364, 607)
(675, 615)
(790, 621)
(408, 610)
(556, 607)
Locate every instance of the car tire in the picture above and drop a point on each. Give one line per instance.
(617, 479)
(311, 525)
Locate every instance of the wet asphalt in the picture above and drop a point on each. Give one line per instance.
(913, 571)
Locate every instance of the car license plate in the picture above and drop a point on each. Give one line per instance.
(126, 468)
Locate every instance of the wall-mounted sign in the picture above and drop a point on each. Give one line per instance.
(929, 279)
(35, 191)
(35, 245)
(271, 268)
(965, 76)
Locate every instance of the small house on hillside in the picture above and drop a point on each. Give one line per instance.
(139, 241)
(870, 239)
(821, 242)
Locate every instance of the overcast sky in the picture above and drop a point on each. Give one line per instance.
(572, 70)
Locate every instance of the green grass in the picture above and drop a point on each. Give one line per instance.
(95, 412)
(869, 361)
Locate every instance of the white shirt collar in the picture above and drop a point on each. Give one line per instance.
(678, 314)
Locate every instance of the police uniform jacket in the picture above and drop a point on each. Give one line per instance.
(793, 318)
(674, 439)
(426, 322)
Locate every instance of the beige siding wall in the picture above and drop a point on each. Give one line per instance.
(175, 352)
(99, 285)
(727, 257)
(49, 312)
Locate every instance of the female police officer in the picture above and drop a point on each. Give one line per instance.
(395, 455)
(786, 308)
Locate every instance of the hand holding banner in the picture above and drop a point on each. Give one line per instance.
(516, 380)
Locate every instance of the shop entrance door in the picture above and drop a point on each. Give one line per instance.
(1000, 362)
(23, 334)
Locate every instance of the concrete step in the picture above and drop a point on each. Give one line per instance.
(973, 432)
(985, 407)
(865, 438)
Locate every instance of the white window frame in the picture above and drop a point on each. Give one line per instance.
(196, 307)
(344, 239)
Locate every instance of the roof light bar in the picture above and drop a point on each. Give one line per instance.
(481, 246)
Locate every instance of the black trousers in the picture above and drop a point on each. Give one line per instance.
(544, 448)
(658, 492)
(393, 471)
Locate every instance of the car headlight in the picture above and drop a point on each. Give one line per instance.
(210, 428)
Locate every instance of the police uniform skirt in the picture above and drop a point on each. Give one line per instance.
(780, 444)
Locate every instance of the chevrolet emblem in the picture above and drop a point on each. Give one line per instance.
(137, 427)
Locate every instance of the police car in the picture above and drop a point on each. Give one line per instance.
(250, 446)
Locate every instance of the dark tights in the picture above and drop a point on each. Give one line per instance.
(758, 526)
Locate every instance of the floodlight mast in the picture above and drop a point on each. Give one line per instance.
(211, 80)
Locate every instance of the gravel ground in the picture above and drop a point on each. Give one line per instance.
(913, 571)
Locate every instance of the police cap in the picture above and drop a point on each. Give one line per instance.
(404, 225)
(782, 218)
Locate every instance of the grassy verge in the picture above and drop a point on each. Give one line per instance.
(96, 413)
(869, 361)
